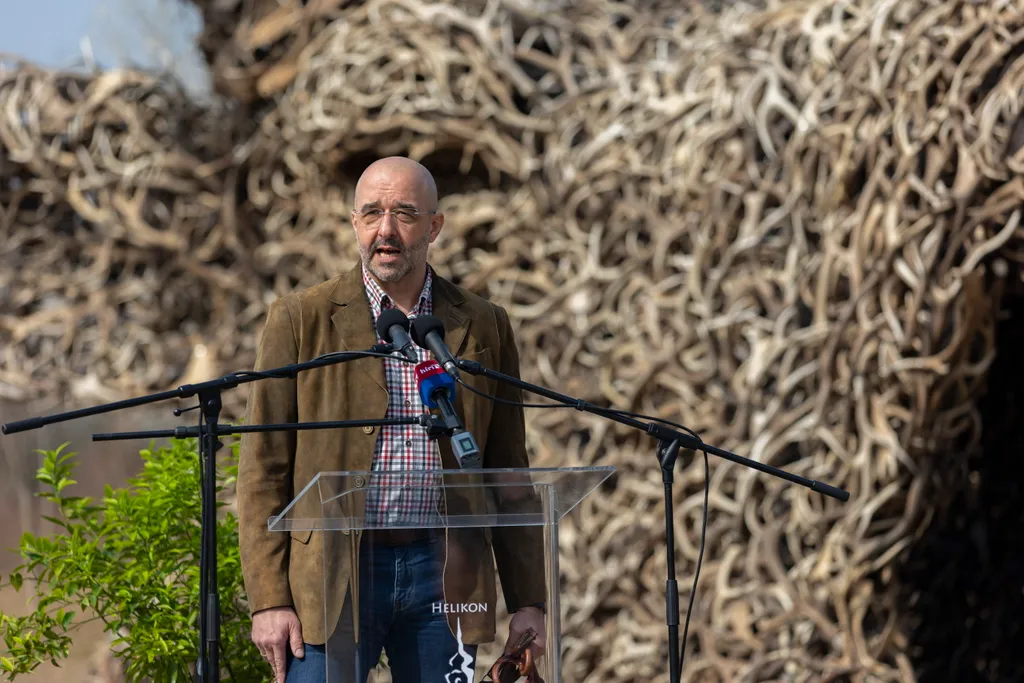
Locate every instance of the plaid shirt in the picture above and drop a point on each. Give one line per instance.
(402, 447)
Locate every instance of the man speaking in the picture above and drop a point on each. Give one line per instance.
(414, 593)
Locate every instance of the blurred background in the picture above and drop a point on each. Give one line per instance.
(792, 226)
(84, 36)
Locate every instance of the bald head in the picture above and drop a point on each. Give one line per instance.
(397, 173)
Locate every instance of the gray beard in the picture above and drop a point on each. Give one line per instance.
(389, 273)
(394, 273)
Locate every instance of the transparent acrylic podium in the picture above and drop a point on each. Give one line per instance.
(432, 547)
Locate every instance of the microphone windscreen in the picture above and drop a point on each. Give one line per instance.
(389, 317)
(422, 325)
(430, 378)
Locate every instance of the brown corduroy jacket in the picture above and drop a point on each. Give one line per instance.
(288, 568)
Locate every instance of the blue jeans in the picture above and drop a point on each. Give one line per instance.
(399, 588)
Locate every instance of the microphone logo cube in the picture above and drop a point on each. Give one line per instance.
(432, 381)
(427, 369)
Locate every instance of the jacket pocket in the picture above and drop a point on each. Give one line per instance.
(301, 536)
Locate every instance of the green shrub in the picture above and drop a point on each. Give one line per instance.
(132, 561)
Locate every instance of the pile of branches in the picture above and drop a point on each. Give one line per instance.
(788, 228)
(116, 220)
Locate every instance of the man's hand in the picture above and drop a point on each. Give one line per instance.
(273, 631)
(525, 618)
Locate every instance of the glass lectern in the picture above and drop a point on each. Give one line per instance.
(412, 561)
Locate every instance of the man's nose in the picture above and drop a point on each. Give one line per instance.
(387, 225)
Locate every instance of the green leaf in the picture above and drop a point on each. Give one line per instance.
(16, 581)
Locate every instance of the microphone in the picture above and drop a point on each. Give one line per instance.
(437, 390)
(393, 327)
(428, 332)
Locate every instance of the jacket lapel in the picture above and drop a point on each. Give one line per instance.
(354, 326)
(353, 323)
(447, 301)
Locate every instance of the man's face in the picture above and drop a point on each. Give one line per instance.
(395, 245)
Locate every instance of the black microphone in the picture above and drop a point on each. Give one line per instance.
(428, 332)
(393, 327)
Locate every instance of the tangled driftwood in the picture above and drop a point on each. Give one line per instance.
(788, 228)
(114, 213)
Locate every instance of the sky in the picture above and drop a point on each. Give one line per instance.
(146, 33)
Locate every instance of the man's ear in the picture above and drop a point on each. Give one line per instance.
(436, 223)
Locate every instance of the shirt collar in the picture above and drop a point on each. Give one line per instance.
(379, 299)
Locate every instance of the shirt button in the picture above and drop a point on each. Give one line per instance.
(368, 429)
(408, 402)
(408, 443)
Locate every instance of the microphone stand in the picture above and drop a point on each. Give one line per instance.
(208, 431)
(669, 443)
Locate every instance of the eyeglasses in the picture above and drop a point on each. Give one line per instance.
(404, 216)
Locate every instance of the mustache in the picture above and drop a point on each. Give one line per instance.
(393, 243)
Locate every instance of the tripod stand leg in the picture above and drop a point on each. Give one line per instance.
(209, 604)
(201, 668)
(667, 453)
